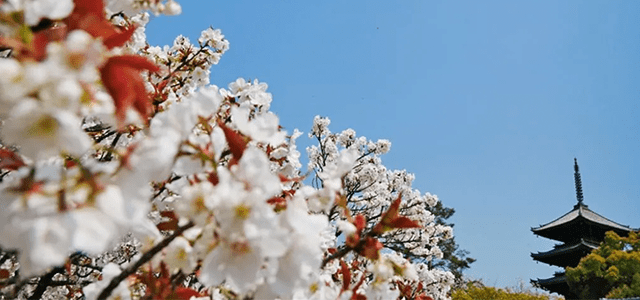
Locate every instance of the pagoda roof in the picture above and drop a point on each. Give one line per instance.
(556, 284)
(566, 255)
(579, 221)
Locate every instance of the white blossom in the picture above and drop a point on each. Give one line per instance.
(109, 271)
(42, 132)
(35, 10)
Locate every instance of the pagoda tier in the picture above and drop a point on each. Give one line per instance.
(580, 223)
(555, 284)
(566, 255)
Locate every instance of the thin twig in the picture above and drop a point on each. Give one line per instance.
(143, 260)
(346, 249)
(44, 282)
(107, 155)
(184, 62)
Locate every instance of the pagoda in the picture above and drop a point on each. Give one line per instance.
(580, 231)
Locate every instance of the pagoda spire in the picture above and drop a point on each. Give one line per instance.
(576, 176)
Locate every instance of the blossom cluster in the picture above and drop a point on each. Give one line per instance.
(105, 136)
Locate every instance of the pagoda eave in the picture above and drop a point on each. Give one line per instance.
(581, 221)
(565, 255)
(556, 284)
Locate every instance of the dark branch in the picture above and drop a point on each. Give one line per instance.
(44, 282)
(143, 260)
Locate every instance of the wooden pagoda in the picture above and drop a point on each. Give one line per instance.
(579, 231)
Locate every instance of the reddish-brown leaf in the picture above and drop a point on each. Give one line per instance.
(121, 77)
(346, 275)
(134, 61)
(88, 7)
(10, 160)
(237, 144)
(169, 214)
(423, 297)
(183, 293)
(360, 222)
(358, 297)
(118, 39)
(171, 224)
(357, 286)
(403, 222)
(89, 16)
(213, 178)
(352, 240)
(371, 249)
(4, 274)
(39, 46)
(168, 225)
(405, 289)
(392, 212)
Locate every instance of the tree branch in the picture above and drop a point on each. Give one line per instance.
(44, 282)
(144, 259)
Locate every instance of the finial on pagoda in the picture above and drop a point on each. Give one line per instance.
(576, 175)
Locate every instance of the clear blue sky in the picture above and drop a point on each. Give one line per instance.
(487, 102)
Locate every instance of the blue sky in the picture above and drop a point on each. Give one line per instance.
(487, 102)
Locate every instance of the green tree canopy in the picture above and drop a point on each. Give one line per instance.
(612, 270)
(478, 291)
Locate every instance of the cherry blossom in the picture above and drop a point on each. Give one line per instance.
(107, 136)
(35, 10)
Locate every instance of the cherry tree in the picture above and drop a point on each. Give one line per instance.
(127, 175)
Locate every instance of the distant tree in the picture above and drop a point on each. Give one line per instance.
(612, 270)
(478, 291)
(454, 259)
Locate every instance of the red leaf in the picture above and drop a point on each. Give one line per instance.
(171, 224)
(237, 144)
(39, 46)
(121, 77)
(283, 178)
(10, 160)
(357, 286)
(88, 7)
(423, 297)
(94, 24)
(118, 39)
(371, 248)
(134, 61)
(213, 178)
(392, 212)
(277, 200)
(352, 240)
(89, 16)
(169, 214)
(4, 274)
(346, 275)
(358, 297)
(405, 289)
(404, 222)
(388, 216)
(390, 219)
(168, 225)
(360, 222)
(183, 293)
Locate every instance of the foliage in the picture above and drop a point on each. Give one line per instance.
(612, 270)
(124, 174)
(478, 291)
(454, 260)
